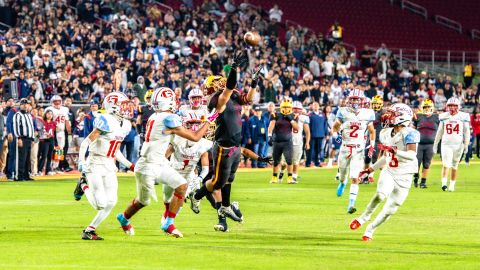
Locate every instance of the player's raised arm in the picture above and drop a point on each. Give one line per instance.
(238, 60)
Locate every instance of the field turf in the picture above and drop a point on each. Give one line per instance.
(302, 226)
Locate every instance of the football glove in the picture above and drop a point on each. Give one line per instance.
(371, 150)
(363, 175)
(255, 75)
(267, 159)
(239, 59)
(82, 167)
(270, 141)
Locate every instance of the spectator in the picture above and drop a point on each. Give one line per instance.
(319, 131)
(37, 125)
(88, 120)
(468, 74)
(366, 57)
(47, 144)
(440, 100)
(475, 122)
(336, 31)
(258, 127)
(140, 88)
(12, 142)
(382, 67)
(275, 14)
(382, 50)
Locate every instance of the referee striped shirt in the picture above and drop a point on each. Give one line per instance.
(23, 125)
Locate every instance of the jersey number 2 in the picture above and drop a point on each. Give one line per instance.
(353, 133)
(452, 128)
(112, 150)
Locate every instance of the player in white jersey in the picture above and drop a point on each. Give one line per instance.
(354, 121)
(153, 167)
(60, 116)
(99, 168)
(195, 109)
(297, 137)
(454, 131)
(184, 157)
(398, 164)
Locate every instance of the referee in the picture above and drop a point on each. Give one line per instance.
(24, 132)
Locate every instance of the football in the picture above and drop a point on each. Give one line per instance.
(251, 38)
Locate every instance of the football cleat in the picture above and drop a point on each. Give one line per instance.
(236, 210)
(228, 212)
(90, 235)
(366, 238)
(172, 230)
(451, 189)
(351, 209)
(444, 188)
(341, 189)
(423, 185)
(221, 226)
(355, 224)
(194, 204)
(78, 192)
(274, 180)
(125, 224)
(290, 180)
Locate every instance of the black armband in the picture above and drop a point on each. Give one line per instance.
(232, 79)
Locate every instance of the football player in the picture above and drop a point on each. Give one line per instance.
(280, 137)
(60, 116)
(103, 143)
(426, 122)
(376, 104)
(398, 164)
(454, 131)
(195, 109)
(354, 121)
(184, 157)
(297, 137)
(153, 166)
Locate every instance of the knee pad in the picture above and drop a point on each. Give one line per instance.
(392, 208)
(380, 196)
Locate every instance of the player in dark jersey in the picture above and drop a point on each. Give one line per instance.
(376, 104)
(426, 123)
(228, 135)
(280, 137)
(144, 112)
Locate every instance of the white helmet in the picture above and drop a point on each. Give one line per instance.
(192, 121)
(195, 92)
(56, 100)
(355, 99)
(163, 99)
(116, 103)
(297, 105)
(397, 114)
(451, 103)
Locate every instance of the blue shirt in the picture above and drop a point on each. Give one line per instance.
(258, 129)
(88, 124)
(318, 125)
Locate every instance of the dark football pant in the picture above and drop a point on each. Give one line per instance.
(425, 155)
(285, 148)
(225, 164)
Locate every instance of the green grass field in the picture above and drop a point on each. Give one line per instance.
(287, 227)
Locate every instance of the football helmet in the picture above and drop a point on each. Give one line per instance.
(163, 99)
(366, 103)
(453, 105)
(427, 106)
(397, 114)
(195, 92)
(214, 84)
(297, 107)
(56, 101)
(148, 95)
(355, 99)
(286, 107)
(191, 121)
(117, 103)
(377, 103)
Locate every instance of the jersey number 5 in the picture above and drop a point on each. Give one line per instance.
(112, 150)
(452, 128)
(394, 162)
(353, 133)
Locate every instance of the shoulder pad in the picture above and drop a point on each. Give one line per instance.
(101, 123)
(412, 136)
(172, 121)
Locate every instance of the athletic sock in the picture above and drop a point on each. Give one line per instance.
(295, 175)
(275, 174)
(444, 181)
(452, 184)
(353, 193)
(165, 213)
(226, 195)
(424, 180)
(170, 217)
(290, 174)
(218, 205)
(201, 192)
(415, 178)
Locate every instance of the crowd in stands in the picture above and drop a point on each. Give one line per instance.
(82, 50)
